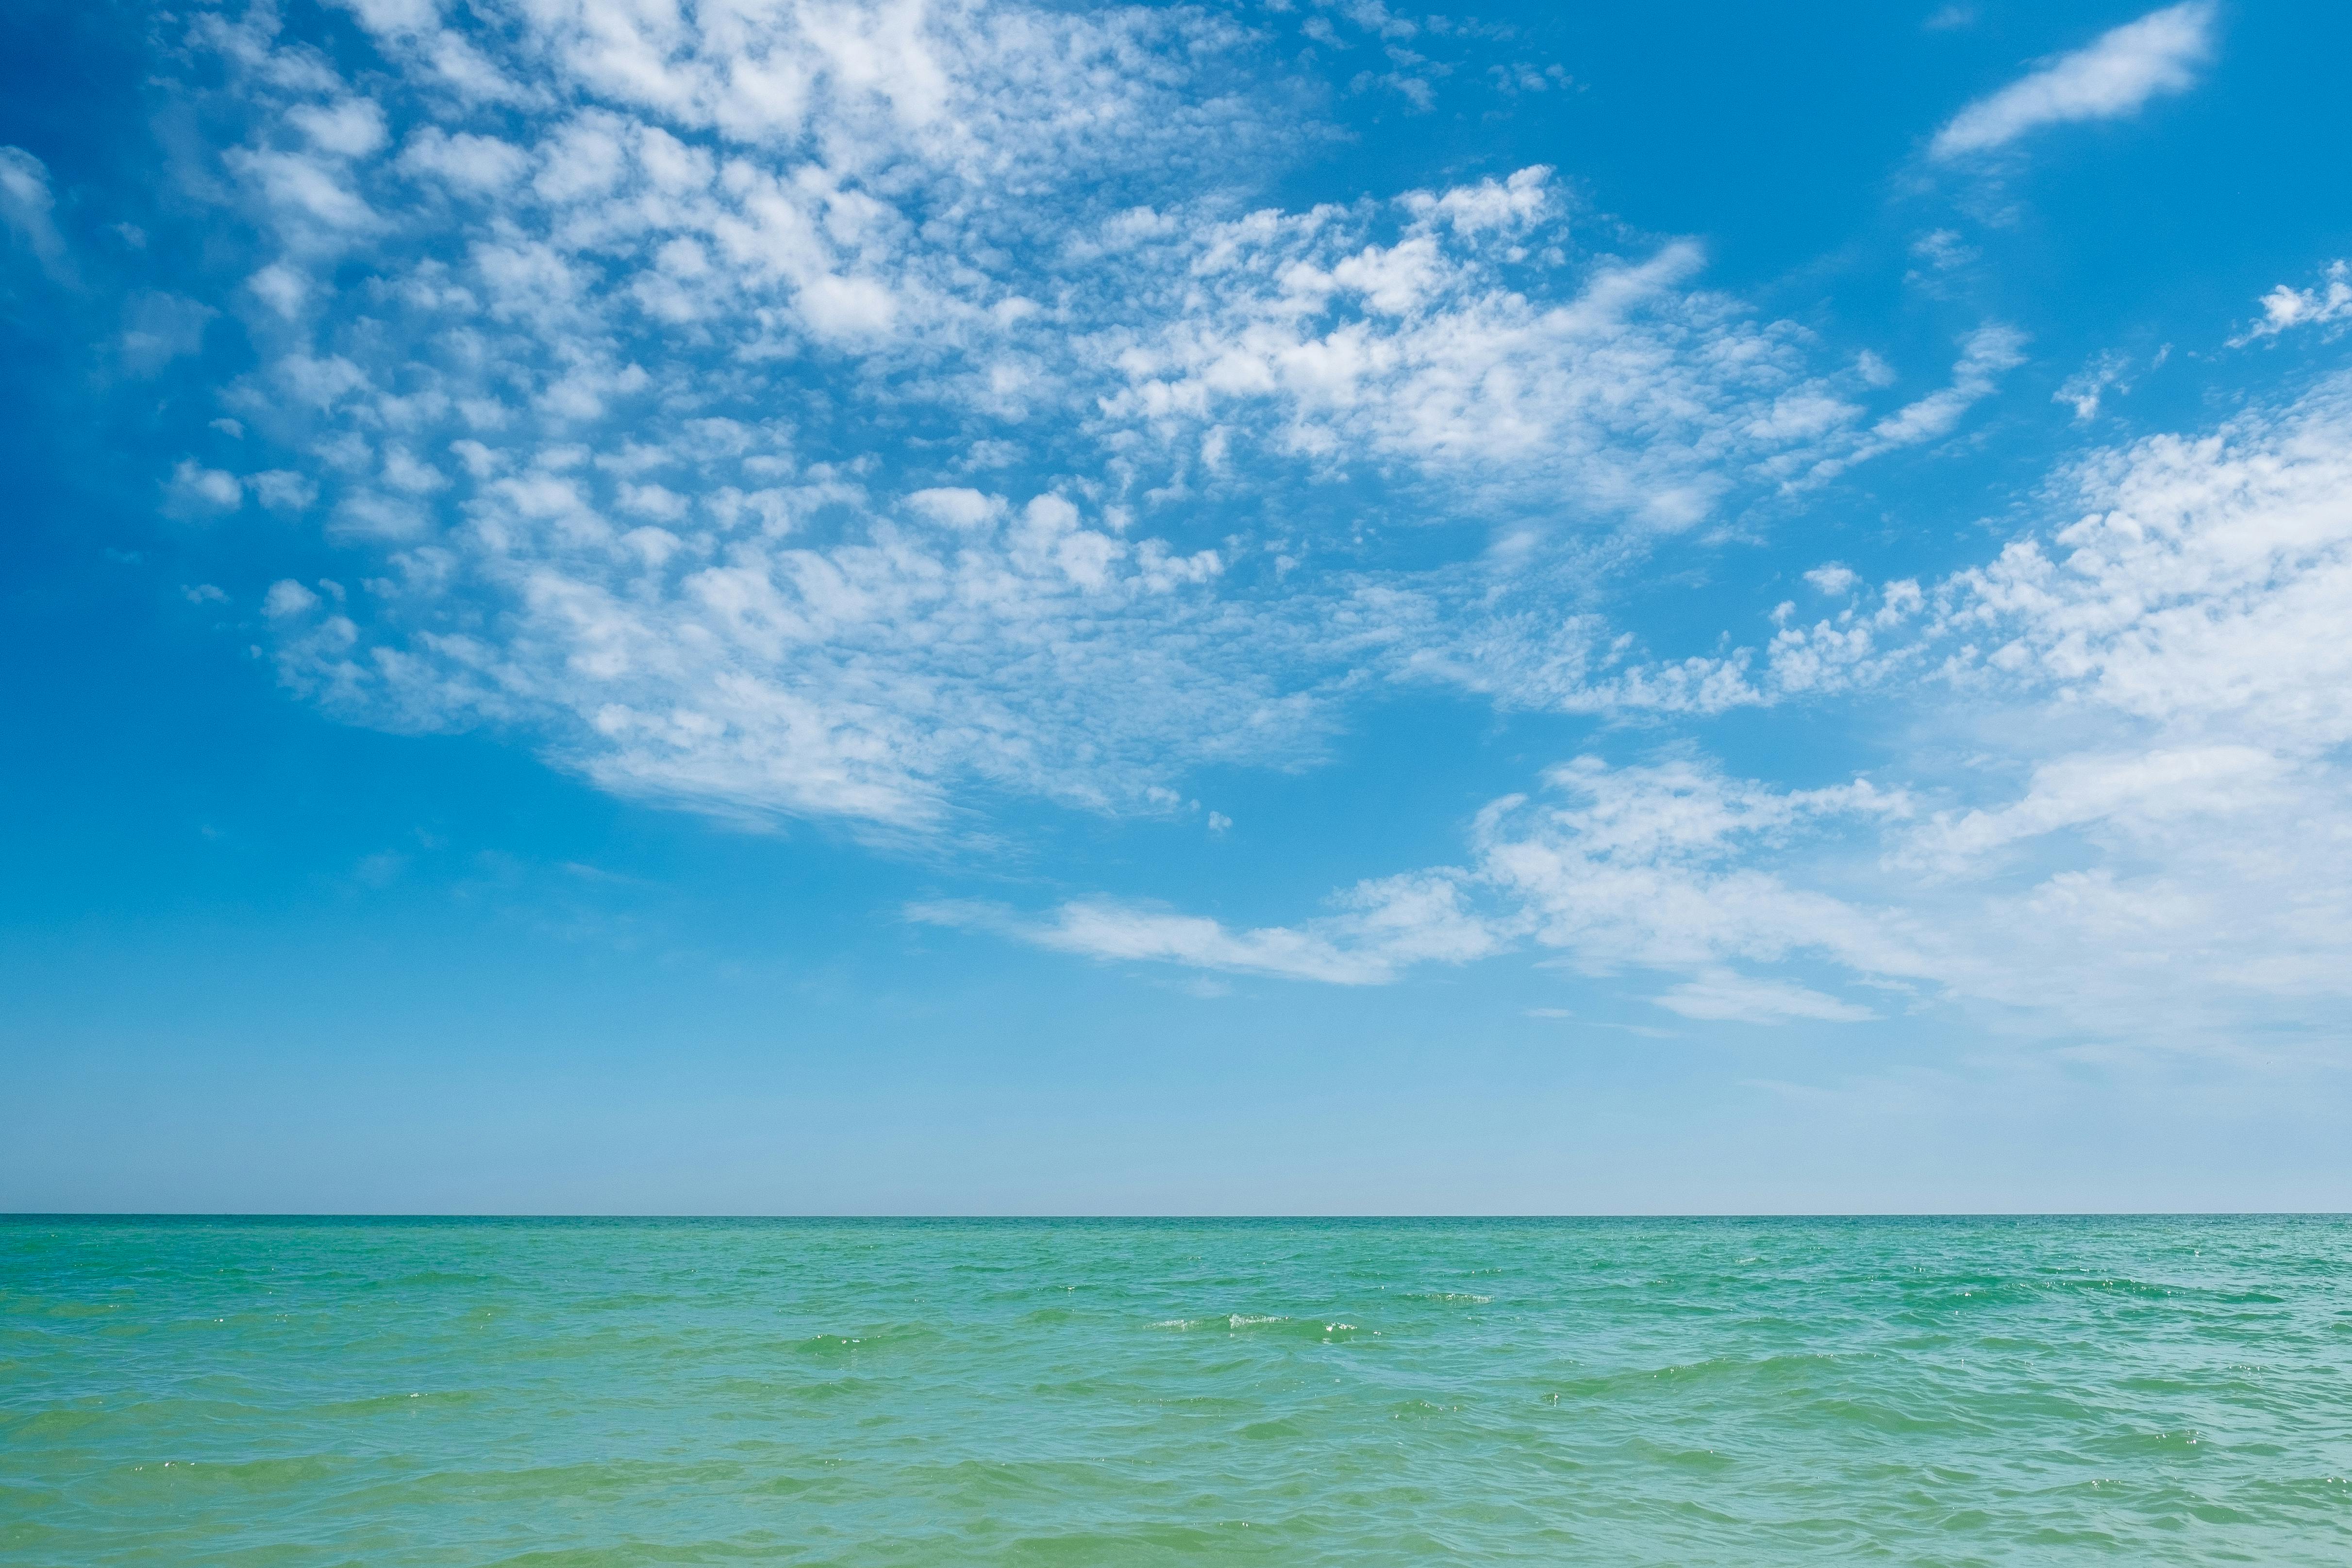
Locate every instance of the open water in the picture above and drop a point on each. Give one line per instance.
(568, 1394)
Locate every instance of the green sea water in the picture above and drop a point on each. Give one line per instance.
(565, 1393)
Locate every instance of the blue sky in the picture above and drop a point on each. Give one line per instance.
(626, 604)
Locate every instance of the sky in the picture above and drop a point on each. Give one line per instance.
(778, 607)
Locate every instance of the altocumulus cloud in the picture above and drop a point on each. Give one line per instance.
(853, 411)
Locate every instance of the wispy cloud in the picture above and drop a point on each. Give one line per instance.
(1610, 869)
(1985, 354)
(2110, 79)
(1378, 928)
(26, 206)
(1724, 995)
(2151, 839)
(2086, 388)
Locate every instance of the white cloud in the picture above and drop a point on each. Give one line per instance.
(1496, 625)
(282, 287)
(1722, 995)
(314, 193)
(1434, 343)
(26, 205)
(1985, 353)
(2146, 789)
(870, 413)
(2198, 588)
(706, 659)
(1615, 870)
(159, 327)
(394, 18)
(2149, 840)
(2111, 77)
(2086, 388)
(195, 490)
(1651, 868)
(282, 490)
(287, 597)
(1942, 250)
(958, 506)
(2172, 675)
(2286, 308)
(659, 402)
(349, 128)
(1382, 927)
(471, 163)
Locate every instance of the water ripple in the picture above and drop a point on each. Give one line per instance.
(586, 1393)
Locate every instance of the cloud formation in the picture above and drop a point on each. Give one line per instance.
(886, 415)
(789, 409)
(2111, 79)
(2151, 838)
(26, 205)
(1378, 929)
(2327, 304)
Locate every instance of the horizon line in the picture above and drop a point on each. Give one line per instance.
(289, 1215)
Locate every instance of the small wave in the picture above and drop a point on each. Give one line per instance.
(1233, 1321)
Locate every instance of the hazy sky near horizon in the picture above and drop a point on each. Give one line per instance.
(755, 605)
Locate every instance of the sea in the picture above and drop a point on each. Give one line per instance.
(571, 1393)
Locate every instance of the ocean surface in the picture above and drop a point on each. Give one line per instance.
(565, 1393)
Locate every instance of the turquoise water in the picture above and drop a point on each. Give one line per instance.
(576, 1392)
